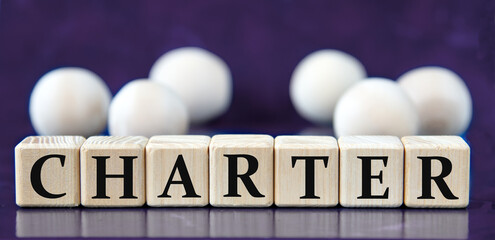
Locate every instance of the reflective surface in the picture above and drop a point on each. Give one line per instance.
(258, 223)
(262, 42)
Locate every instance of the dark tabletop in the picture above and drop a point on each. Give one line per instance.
(261, 41)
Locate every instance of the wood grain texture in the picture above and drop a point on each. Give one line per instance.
(258, 146)
(162, 154)
(290, 178)
(352, 150)
(55, 178)
(453, 148)
(114, 148)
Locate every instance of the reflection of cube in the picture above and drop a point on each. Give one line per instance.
(113, 223)
(371, 171)
(47, 171)
(177, 222)
(241, 171)
(370, 223)
(436, 224)
(436, 172)
(112, 172)
(245, 223)
(306, 223)
(48, 223)
(306, 171)
(177, 171)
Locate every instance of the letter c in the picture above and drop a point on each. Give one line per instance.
(36, 176)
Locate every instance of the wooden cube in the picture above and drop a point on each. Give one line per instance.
(112, 171)
(436, 172)
(177, 222)
(438, 224)
(113, 223)
(306, 223)
(47, 223)
(229, 223)
(241, 171)
(47, 171)
(371, 171)
(371, 223)
(177, 171)
(306, 171)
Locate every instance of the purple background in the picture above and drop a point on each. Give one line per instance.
(261, 41)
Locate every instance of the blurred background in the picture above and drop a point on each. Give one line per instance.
(261, 41)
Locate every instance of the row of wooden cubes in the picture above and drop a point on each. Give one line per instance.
(309, 223)
(242, 171)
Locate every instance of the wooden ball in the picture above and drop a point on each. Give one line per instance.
(69, 101)
(147, 108)
(375, 106)
(441, 98)
(319, 80)
(199, 77)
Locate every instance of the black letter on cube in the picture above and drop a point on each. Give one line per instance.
(366, 177)
(36, 176)
(310, 174)
(185, 180)
(439, 180)
(233, 175)
(101, 177)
